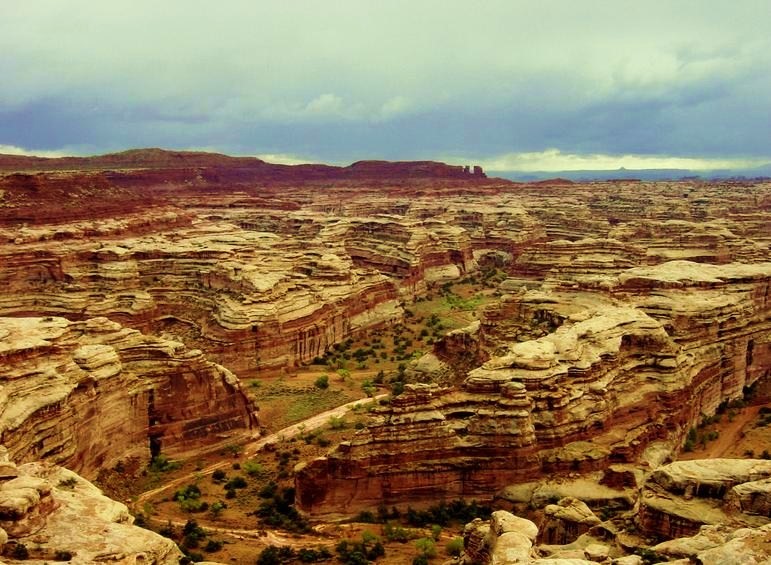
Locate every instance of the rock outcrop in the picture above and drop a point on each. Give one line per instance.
(679, 498)
(631, 311)
(565, 521)
(509, 539)
(714, 545)
(504, 539)
(639, 363)
(40, 506)
(88, 393)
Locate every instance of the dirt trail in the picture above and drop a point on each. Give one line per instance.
(253, 447)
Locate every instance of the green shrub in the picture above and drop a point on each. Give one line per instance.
(69, 482)
(397, 533)
(193, 505)
(20, 551)
(322, 382)
(336, 423)
(368, 388)
(213, 546)
(454, 547)
(444, 513)
(369, 548)
(305, 555)
(279, 511)
(273, 555)
(253, 468)
(162, 464)
(191, 491)
(426, 546)
(268, 490)
(366, 517)
(236, 483)
(321, 441)
(216, 508)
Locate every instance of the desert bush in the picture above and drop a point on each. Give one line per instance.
(162, 464)
(454, 547)
(336, 423)
(426, 546)
(216, 508)
(253, 468)
(236, 483)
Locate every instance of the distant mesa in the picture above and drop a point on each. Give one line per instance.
(155, 158)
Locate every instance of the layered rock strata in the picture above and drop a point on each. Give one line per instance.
(257, 290)
(640, 362)
(265, 267)
(88, 393)
(509, 539)
(679, 498)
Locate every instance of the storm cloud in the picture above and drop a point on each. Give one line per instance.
(344, 80)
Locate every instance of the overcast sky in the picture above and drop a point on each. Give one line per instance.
(510, 84)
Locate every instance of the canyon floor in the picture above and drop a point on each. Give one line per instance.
(427, 362)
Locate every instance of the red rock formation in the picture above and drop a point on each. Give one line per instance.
(597, 390)
(681, 497)
(264, 267)
(89, 393)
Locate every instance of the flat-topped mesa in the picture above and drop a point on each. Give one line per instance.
(89, 393)
(397, 169)
(155, 158)
(36, 190)
(621, 371)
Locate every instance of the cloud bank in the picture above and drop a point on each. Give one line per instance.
(355, 79)
(555, 160)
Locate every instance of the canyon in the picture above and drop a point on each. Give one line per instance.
(140, 291)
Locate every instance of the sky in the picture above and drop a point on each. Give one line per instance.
(508, 84)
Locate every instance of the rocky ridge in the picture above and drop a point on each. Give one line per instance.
(40, 502)
(636, 365)
(631, 311)
(88, 393)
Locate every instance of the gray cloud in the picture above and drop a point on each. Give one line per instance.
(353, 79)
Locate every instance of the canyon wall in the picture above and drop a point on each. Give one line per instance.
(641, 361)
(630, 310)
(88, 393)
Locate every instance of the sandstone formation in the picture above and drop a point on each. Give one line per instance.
(631, 311)
(508, 539)
(565, 521)
(639, 362)
(40, 505)
(504, 539)
(88, 393)
(681, 497)
(714, 545)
